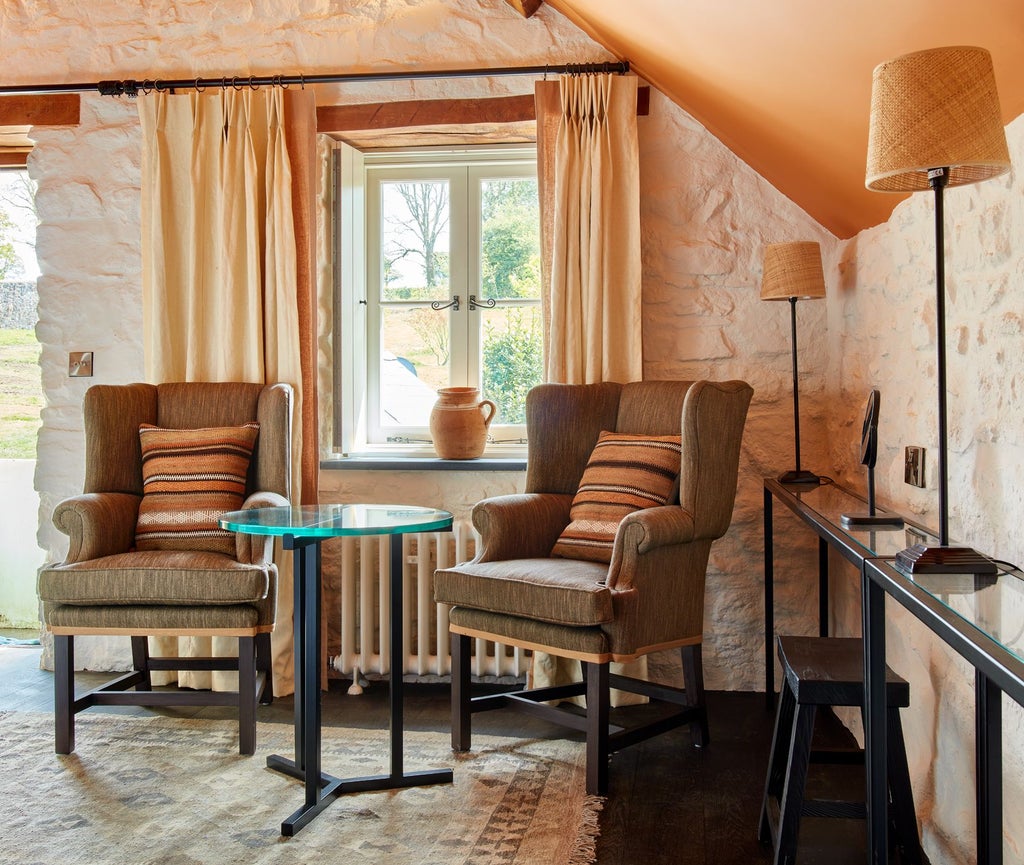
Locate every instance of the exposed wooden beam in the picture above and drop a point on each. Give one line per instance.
(438, 112)
(54, 109)
(13, 158)
(526, 8)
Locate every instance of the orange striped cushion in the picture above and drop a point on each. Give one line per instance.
(190, 477)
(625, 473)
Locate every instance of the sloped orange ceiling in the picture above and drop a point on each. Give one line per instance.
(786, 84)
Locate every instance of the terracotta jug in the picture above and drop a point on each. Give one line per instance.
(459, 422)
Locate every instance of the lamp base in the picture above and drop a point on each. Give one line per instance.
(799, 477)
(883, 521)
(920, 559)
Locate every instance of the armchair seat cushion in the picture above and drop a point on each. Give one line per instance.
(155, 577)
(559, 591)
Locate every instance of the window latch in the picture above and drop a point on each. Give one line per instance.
(453, 303)
(482, 303)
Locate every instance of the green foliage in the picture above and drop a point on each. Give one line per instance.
(510, 265)
(513, 363)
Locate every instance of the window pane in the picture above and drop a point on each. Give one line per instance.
(512, 359)
(414, 363)
(414, 240)
(509, 238)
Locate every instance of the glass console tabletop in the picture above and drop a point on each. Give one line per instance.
(329, 521)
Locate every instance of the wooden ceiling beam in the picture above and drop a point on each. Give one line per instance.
(54, 109)
(526, 8)
(438, 112)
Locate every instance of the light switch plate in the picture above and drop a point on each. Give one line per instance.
(79, 363)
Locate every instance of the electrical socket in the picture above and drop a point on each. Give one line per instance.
(913, 466)
(79, 363)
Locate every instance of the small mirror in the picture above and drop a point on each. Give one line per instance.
(869, 432)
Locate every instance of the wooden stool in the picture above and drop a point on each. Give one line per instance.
(829, 671)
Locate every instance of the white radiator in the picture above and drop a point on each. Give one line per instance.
(364, 601)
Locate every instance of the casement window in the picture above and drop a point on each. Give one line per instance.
(439, 257)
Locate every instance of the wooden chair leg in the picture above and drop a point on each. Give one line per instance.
(777, 761)
(598, 700)
(461, 710)
(264, 664)
(140, 662)
(901, 794)
(792, 799)
(64, 693)
(693, 678)
(246, 695)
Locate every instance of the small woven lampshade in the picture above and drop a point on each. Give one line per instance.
(792, 270)
(935, 109)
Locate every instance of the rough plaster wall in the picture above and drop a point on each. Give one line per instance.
(883, 323)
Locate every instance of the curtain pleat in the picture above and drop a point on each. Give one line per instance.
(588, 167)
(227, 274)
(588, 172)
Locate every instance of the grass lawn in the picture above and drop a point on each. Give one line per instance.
(21, 394)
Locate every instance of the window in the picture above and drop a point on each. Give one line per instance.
(447, 293)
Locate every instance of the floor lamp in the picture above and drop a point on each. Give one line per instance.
(935, 122)
(792, 271)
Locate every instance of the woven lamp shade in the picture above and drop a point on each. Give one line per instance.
(792, 270)
(935, 109)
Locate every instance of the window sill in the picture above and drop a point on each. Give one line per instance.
(422, 464)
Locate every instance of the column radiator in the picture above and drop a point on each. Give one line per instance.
(364, 600)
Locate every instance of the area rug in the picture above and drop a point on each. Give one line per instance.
(176, 792)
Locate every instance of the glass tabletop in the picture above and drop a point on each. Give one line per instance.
(328, 521)
(831, 501)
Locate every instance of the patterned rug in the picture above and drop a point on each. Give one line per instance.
(176, 792)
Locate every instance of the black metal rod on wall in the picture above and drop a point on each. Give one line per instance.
(131, 87)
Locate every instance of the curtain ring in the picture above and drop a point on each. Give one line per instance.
(198, 88)
(234, 84)
(251, 85)
(224, 83)
(146, 87)
(281, 82)
(302, 81)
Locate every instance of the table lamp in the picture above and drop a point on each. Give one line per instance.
(935, 122)
(792, 271)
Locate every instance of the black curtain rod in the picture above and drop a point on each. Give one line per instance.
(131, 87)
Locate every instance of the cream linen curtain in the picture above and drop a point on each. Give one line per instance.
(588, 169)
(227, 212)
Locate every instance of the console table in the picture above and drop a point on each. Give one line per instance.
(303, 529)
(981, 618)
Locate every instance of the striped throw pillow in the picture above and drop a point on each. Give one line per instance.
(625, 473)
(189, 478)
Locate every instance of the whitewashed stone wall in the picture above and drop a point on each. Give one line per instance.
(882, 327)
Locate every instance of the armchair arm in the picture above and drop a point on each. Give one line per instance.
(98, 524)
(657, 575)
(258, 549)
(523, 526)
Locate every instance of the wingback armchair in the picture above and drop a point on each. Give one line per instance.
(603, 558)
(146, 555)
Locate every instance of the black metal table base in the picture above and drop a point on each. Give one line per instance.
(331, 788)
(322, 789)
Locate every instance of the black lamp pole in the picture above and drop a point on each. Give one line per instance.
(798, 476)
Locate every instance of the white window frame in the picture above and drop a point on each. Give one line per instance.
(356, 317)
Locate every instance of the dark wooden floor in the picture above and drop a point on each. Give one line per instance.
(668, 803)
